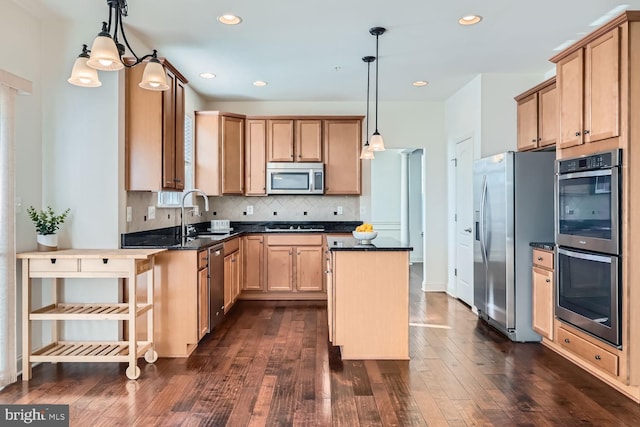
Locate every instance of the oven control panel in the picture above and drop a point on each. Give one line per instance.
(604, 160)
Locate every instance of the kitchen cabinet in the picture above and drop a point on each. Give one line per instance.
(543, 292)
(203, 293)
(294, 263)
(588, 81)
(294, 140)
(154, 133)
(342, 144)
(56, 266)
(253, 263)
(231, 273)
(255, 158)
(219, 153)
(537, 118)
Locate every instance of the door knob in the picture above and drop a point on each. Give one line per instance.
(468, 230)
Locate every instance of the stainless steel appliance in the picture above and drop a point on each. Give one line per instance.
(216, 285)
(513, 206)
(588, 293)
(588, 202)
(301, 228)
(295, 178)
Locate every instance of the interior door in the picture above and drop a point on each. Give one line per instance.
(464, 222)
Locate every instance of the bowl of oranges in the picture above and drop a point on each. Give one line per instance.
(364, 233)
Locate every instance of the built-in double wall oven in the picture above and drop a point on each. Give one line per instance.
(588, 193)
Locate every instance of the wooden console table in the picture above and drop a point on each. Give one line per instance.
(124, 264)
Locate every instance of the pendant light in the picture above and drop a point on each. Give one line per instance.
(366, 153)
(106, 54)
(377, 144)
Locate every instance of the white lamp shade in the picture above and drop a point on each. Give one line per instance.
(376, 144)
(104, 55)
(154, 77)
(366, 153)
(83, 75)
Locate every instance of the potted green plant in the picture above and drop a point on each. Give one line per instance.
(47, 224)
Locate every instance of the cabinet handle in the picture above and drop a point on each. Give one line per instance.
(177, 180)
(598, 357)
(586, 132)
(105, 260)
(578, 133)
(567, 340)
(539, 139)
(548, 280)
(53, 260)
(533, 140)
(539, 258)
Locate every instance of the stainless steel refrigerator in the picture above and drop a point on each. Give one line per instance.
(513, 206)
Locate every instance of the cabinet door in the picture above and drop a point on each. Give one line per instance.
(602, 87)
(528, 123)
(179, 135)
(570, 87)
(342, 156)
(255, 158)
(547, 116)
(543, 304)
(280, 268)
(228, 283)
(330, 293)
(309, 268)
(203, 302)
(235, 275)
(169, 133)
(252, 263)
(308, 141)
(232, 155)
(280, 140)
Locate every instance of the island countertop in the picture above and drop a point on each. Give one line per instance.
(378, 244)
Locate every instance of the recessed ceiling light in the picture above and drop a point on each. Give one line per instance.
(420, 83)
(207, 75)
(229, 19)
(260, 83)
(469, 19)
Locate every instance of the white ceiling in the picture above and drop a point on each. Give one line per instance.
(296, 45)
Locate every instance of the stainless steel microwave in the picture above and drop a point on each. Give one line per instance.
(295, 178)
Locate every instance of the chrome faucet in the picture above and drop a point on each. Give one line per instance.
(183, 233)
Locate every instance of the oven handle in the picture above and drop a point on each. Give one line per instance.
(588, 257)
(588, 174)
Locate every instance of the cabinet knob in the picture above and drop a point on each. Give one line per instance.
(586, 132)
(567, 340)
(533, 140)
(578, 133)
(548, 280)
(539, 139)
(598, 357)
(539, 258)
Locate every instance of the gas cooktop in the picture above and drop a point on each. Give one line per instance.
(293, 228)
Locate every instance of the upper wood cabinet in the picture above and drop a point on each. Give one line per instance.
(294, 140)
(342, 143)
(255, 158)
(588, 81)
(154, 132)
(537, 120)
(219, 153)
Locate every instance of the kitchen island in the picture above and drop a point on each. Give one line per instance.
(368, 298)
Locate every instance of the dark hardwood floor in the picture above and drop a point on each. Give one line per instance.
(269, 364)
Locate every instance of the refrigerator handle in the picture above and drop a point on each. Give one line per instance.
(483, 201)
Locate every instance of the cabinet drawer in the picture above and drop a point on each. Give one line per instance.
(67, 265)
(203, 259)
(105, 265)
(231, 246)
(297, 240)
(543, 258)
(589, 352)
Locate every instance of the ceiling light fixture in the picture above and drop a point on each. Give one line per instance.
(260, 83)
(366, 153)
(207, 75)
(106, 55)
(229, 19)
(469, 19)
(377, 143)
(420, 83)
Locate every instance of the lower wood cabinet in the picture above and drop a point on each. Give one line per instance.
(294, 263)
(231, 273)
(203, 293)
(543, 293)
(253, 262)
(588, 351)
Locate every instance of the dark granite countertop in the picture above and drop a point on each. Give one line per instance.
(378, 244)
(169, 237)
(549, 246)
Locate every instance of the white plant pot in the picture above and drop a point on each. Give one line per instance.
(47, 242)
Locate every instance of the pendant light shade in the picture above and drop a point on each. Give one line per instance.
(366, 153)
(104, 52)
(82, 74)
(154, 76)
(377, 143)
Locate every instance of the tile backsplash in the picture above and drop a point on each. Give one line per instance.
(237, 208)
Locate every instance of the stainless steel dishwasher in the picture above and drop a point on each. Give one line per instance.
(216, 285)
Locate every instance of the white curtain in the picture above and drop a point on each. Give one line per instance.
(10, 85)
